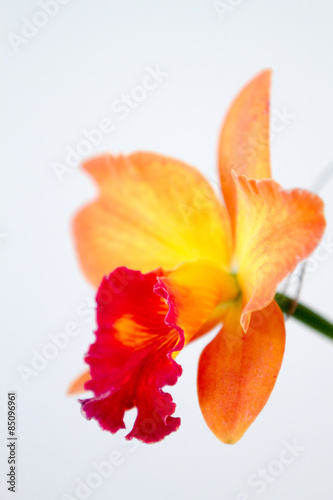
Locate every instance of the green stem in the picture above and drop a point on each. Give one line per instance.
(305, 315)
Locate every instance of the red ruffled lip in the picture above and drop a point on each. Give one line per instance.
(131, 359)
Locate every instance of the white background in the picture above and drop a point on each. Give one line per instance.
(63, 81)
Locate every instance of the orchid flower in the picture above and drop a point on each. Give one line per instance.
(172, 261)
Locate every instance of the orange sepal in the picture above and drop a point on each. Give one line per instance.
(244, 142)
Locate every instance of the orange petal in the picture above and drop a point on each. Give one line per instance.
(194, 291)
(152, 212)
(275, 230)
(237, 371)
(244, 142)
(77, 385)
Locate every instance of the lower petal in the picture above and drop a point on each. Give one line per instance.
(237, 371)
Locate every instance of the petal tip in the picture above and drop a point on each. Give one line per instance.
(79, 384)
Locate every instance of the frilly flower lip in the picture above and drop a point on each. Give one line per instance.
(172, 262)
(131, 359)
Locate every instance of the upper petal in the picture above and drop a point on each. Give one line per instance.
(244, 142)
(275, 230)
(237, 371)
(152, 212)
(131, 360)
